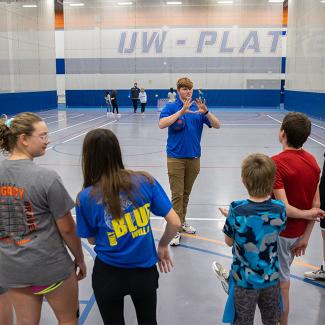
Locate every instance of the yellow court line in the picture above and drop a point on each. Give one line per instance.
(221, 243)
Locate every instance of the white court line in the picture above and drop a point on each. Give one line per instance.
(71, 126)
(321, 127)
(274, 119)
(97, 127)
(51, 116)
(79, 135)
(64, 119)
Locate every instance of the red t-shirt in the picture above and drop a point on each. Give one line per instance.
(297, 172)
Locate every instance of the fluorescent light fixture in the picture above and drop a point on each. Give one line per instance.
(276, 1)
(322, 1)
(76, 4)
(29, 6)
(173, 3)
(225, 2)
(127, 3)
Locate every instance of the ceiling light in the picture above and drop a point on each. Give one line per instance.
(225, 2)
(129, 3)
(276, 1)
(29, 6)
(172, 3)
(76, 4)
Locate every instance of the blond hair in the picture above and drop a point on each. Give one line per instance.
(184, 83)
(258, 174)
(22, 123)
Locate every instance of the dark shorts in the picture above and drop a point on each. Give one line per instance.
(267, 299)
(322, 224)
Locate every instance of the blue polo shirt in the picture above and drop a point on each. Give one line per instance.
(126, 242)
(185, 143)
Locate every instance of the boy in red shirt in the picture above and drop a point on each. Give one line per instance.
(296, 185)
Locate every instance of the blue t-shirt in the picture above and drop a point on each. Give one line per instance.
(255, 228)
(126, 242)
(185, 143)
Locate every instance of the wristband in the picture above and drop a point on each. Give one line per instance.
(206, 113)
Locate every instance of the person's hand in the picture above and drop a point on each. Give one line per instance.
(81, 269)
(316, 214)
(224, 212)
(186, 106)
(165, 262)
(299, 248)
(201, 106)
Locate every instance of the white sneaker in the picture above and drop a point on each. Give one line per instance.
(188, 229)
(222, 274)
(176, 240)
(315, 275)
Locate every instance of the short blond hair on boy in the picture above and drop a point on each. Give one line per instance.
(184, 82)
(258, 174)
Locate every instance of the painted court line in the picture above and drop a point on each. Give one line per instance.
(274, 119)
(65, 119)
(71, 126)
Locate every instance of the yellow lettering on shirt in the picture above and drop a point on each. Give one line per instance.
(141, 217)
(129, 222)
(120, 227)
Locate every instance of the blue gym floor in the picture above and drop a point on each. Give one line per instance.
(190, 294)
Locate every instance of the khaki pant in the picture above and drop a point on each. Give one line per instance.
(182, 174)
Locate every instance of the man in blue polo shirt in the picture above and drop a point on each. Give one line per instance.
(184, 119)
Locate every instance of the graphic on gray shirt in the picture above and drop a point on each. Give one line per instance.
(32, 251)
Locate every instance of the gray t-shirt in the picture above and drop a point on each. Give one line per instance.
(32, 251)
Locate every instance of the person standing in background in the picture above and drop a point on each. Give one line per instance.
(108, 103)
(114, 101)
(143, 100)
(135, 96)
(171, 95)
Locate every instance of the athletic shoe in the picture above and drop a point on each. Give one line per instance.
(176, 240)
(222, 274)
(188, 229)
(315, 275)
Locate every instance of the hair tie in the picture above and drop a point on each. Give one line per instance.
(8, 122)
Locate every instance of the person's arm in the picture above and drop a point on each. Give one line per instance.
(300, 247)
(228, 240)
(67, 230)
(169, 120)
(312, 214)
(173, 225)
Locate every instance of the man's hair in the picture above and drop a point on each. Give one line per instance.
(184, 82)
(297, 128)
(258, 174)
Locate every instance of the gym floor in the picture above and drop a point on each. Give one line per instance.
(191, 293)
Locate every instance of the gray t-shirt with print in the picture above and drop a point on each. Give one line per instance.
(32, 251)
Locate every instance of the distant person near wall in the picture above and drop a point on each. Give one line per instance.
(171, 95)
(114, 101)
(143, 100)
(108, 103)
(135, 96)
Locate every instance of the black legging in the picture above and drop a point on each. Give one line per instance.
(143, 107)
(135, 104)
(115, 106)
(111, 284)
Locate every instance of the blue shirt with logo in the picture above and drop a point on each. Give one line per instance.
(255, 228)
(186, 142)
(126, 242)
